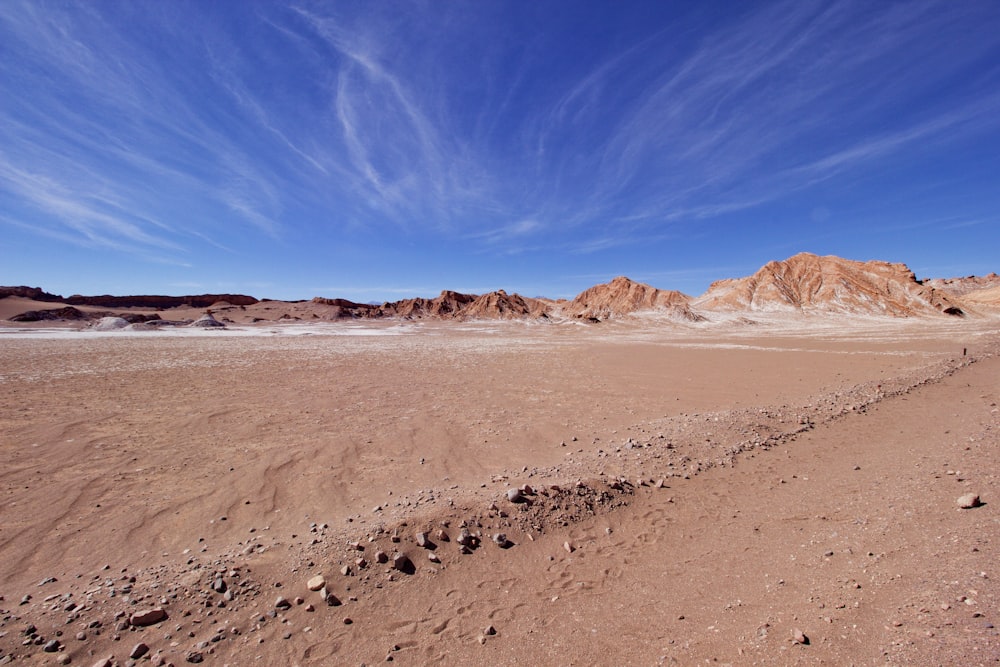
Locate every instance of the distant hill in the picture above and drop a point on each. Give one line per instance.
(809, 283)
(804, 283)
(622, 297)
(142, 301)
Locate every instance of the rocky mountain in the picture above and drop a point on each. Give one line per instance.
(622, 297)
(809, 283)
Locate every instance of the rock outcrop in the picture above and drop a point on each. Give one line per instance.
(813, 284)
(622, 297)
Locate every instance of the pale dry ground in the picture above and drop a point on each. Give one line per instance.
(129, 449)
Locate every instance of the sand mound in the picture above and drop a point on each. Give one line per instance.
(207, 321)
(809, 283)
(622, 297)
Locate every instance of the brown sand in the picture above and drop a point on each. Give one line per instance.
(810, 478)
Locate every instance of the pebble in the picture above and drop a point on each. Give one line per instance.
(422, 540)
(968, 501)
(799, 638)
(346, 570)
(568, 547)
(515, 495)
(316, 583)
(282, 603)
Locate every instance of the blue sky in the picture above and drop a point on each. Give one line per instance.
(380, 150)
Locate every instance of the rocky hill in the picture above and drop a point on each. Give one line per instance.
(139, 301)
(809, 283)
(622, 297)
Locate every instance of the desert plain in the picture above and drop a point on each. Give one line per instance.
(636, 492)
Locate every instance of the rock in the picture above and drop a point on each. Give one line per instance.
(330, 599)
(194, 657)
(63, 659)
(402, 563)
(500, 539)
(282, 603)
(138, 651)
(489, 631)
(316, 583)
(433, 557)
(423, 541)
(104, 662)
(465, 538)
(148, 617)
(969, 500)
(568, 547)
(51, 646)
(381, 556)
(346, 570)
(219, 585)
(799, 638)
(515, 495)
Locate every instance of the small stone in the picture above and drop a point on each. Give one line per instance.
(969, 501)
(282, 603)
(347, 620)
(422, 540)
(51, 646)
(433, 557)
(103, 662)
(138, 651)
(443, 536)
(402, 563)
(381, 556)
(489, 631)
(147, 617)
(316, 583)
(194, 657)
(346, 570)
(515, 495)
(219, 585)
(63, 659)
(568, 547)
(500, 539)
(799, 638)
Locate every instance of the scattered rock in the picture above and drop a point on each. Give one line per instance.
(194, 657)
(282, 603)
(799, 638)
(969, 501)
(148, 617)
(500, 539)
(138, 651)
(423, 541)
(51, 646)
(515, 495)
(316, 583)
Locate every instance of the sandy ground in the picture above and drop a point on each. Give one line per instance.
(696, 494)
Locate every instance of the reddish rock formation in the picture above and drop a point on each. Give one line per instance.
(810, 283)
(622, 297)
